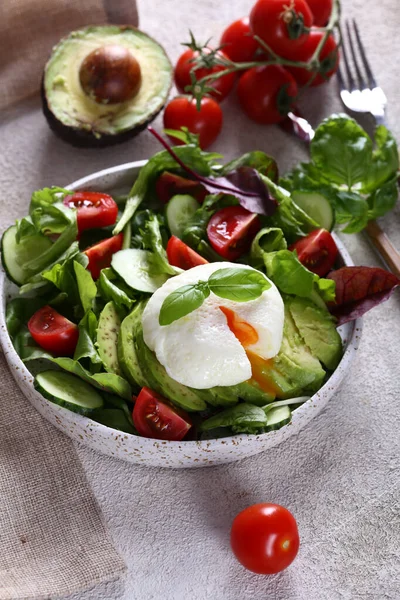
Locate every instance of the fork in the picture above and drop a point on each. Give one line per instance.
(361, 94)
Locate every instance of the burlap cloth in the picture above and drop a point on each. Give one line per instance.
(52, 538)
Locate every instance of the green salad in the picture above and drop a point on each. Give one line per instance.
(206, 302)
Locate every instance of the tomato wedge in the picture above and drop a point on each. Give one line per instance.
(53, 332)
(317, 251)
(231, 231)
(94, 209)
(154, 417)
(169, 185)
(100, 254)
(182, 256)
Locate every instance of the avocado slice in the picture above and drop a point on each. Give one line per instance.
(107, 338)
(318, 329)
(85, 114)
(127, 355)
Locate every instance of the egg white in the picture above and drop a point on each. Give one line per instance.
(199, 350)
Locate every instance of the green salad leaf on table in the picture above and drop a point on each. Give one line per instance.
(109, 293)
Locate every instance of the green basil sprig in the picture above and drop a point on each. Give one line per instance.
(239, 285)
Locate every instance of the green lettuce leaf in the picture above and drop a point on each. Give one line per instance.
(85, 348)
(111, 287)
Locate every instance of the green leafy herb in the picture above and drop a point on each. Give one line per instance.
(288, 274)
(238, 284)
(111, 287)
(183, 301)
(242, 418)
(269, 239)
(152, 240)
(86, 348)
(86, 286)
(264, 164)
(27, 349)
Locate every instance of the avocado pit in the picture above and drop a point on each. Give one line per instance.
(110, 75)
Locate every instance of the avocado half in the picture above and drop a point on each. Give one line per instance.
(75, 115)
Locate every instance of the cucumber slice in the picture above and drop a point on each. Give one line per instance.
(178, 212)
(317, 207)
(68, 391)
(14, 256)
(278, 417)
(134, 267)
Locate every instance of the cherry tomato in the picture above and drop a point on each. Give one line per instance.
(264, 538)
(231, 231)
(266, 94)
(206, 122)
(222, 85)
(329, 58)
(94, 209)
(181, 255)
(321, 10)
(280, 23)
(155, 417)
(317, 251)
(169, 184)
(238, 42)
(53, 332)
(100, 254)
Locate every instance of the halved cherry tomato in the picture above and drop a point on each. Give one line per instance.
(155, 417)
(238, 42)
(181, 255)
(267, 93)
(169, 185)
(100, 254)
(206, 122)
(329, 58)
(317, 251)
(94, 209)
(231, 231)
(222, 85)
(265, 538)
(281, 24)
(53, 332)
(321, 10)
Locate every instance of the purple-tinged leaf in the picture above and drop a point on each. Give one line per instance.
(244, 183)
(358, 289)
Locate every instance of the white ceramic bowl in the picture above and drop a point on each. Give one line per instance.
(152, 452)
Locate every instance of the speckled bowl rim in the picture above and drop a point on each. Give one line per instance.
(300, 417)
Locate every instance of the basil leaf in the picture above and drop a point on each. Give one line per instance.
(385, 160)
(383, 199)
(240, 285)
(342, 150)
(182, 301)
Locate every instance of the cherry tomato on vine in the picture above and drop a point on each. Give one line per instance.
(155, 417)
(317, 251)
(266, 94)
(206, 122)
(329, 59)
(265, 538)
(238, 41)
(231, 231)
(53, 332)
(281, 24)
(321, 10)
(95, 209)
(222, 85)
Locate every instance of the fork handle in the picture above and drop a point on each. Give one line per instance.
(384, 246)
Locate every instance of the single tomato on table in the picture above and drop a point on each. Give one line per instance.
(53, 332)
(222, 86)
(95, 209)
(317, 251)
(181, 255)
(206, 122)
(329, 59)
(267, 93)
(321, 10)
(238, 41)
(265, 538)
(100, 254)
(282, 24)
(231, 231)
(155, 417)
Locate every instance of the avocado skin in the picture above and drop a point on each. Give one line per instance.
(81, 138)
(85, 139)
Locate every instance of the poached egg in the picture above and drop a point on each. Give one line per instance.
(216, 344)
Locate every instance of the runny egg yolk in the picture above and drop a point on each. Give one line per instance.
(247, 336)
